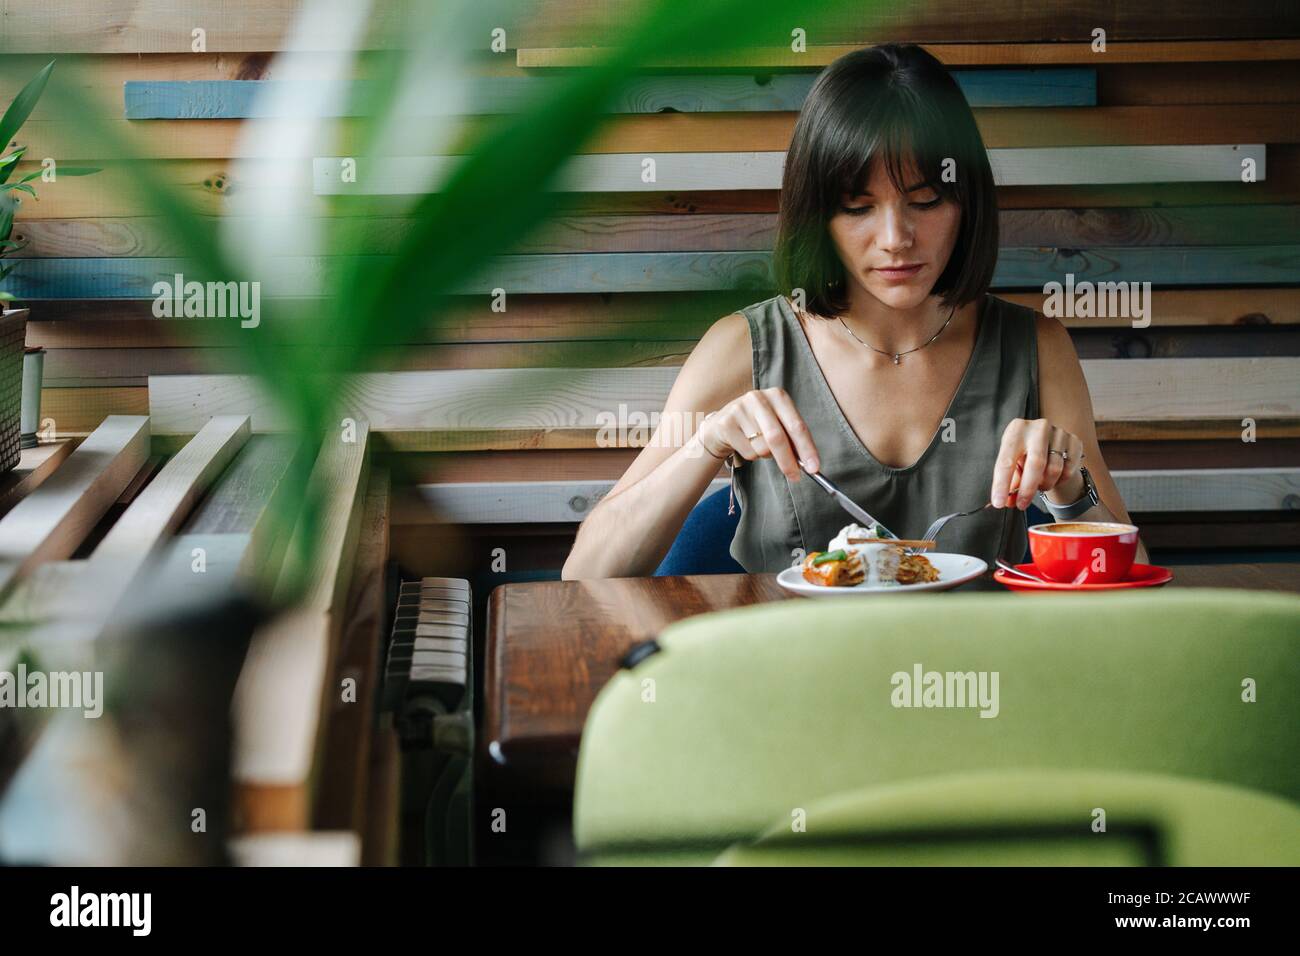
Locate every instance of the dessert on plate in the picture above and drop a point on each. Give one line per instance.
(859, 555)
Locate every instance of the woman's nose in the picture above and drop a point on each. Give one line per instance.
(895, 229)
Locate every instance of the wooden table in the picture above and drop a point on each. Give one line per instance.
(552, 645)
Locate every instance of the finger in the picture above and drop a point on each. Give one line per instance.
(774, 435)
(1058, 447)
(1034, 470)
(751, 430)
(729, 431)
(805, 449)
(1004, 468)
(1076, 458)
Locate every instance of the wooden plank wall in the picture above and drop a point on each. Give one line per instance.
(1123, 165)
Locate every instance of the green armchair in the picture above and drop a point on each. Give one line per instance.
(742, 718)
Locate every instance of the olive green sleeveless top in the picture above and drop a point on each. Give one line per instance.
(781, 520)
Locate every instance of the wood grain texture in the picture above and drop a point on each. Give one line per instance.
(79, 411)
(239, 499)
(280, 700)
(642, 317)
(148, 237)
(156, 26)
(608, 464)
(342, 799)
(551, 646)
(479, 399)
(155, 514)
(50, 523)
(508, 502)
(1211, 489)
(949, 53)
(1155, 84)
(212, 185)
(1029, 164)
(540, 501)
(1110, 341)
(1017, 267)
(159, 26)
(241, 99)
(35, 465)
(673, 133)
(621, 401)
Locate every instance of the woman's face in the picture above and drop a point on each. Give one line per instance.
(895, 245)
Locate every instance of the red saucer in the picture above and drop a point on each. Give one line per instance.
(1139, 576)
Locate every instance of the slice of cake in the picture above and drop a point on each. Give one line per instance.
(834, 569)
(880, 556)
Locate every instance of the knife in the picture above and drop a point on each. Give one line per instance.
(847, 503)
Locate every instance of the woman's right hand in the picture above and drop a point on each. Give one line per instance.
(762, 423)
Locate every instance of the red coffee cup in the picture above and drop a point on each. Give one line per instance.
(1064, 548)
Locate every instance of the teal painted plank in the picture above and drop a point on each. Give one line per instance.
(1018, 267)
(242, 99)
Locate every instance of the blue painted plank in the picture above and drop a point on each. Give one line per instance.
(242, 99)
(1018, 268)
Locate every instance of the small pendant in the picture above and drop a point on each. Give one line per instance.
(896, 357)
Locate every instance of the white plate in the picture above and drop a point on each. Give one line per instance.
(954, 569)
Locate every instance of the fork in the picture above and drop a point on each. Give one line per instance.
(934, 529)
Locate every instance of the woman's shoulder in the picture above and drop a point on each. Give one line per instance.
(1049, 333)
(749, 322)
(719, 368)
(1054, 350)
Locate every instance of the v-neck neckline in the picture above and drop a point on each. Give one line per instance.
(981, 335)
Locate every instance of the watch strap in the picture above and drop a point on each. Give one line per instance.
(1085, 502)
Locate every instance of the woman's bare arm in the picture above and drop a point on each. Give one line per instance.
(628, 533)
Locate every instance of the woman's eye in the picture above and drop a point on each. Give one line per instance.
(861, 210)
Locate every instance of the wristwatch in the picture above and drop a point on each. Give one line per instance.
(1086, 502)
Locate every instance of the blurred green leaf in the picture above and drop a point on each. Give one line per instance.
(22, 105)
(498, 191)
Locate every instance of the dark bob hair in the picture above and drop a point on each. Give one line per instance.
(896, 103)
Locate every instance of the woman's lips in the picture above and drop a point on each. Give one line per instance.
(899, 273)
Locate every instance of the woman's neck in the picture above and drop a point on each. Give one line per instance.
(895, 330)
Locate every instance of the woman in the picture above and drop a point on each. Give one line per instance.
(888, 366)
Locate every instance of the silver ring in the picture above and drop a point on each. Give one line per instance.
(1057, 451)
(753, 436)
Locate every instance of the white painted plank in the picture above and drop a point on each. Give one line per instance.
(155, 514)
(1211, 489)
(1153, 490)
(393, 401)
(508, 502)
(1182, 389)
(52, 521)
(625, 172)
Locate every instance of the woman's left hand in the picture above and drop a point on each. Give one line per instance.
(1048, 458)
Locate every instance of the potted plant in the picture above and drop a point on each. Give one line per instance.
(13, 322)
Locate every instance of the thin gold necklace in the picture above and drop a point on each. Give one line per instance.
(897, 355)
